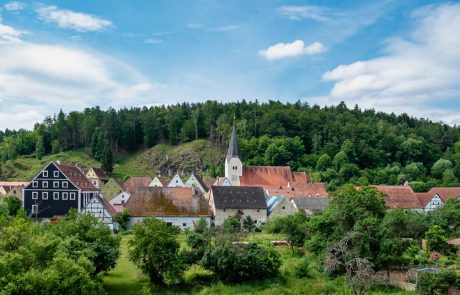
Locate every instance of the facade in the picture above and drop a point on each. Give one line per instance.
(135, 182)
(159, 181)
(176, 181)
(222, 181)
(197, 183)
(280, 206)
(102, 210)
(437, 197)
(226, 201)
(233, 163)
(175, 205)
(112, 188)
(56, 189)
(97, 177)
(120, 199)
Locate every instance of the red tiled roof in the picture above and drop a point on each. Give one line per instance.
(163, 181)
(76, 176)
(166, 201)
(301, 177)
(135, 182)
(446, 193)
(118, 207)
(315, 189)
(455, 242)
(99, 173)
(399, 196)
(424, 198)
(285, 192)
(266, 176)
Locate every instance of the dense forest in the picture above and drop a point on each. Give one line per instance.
(335, 144)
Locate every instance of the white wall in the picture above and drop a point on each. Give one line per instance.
(175, 220)
(260, 215)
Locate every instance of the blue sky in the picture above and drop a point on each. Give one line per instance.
(395, 56)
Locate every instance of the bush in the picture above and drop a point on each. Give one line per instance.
(276, 225)
(302, 270)
(198, 245)
(122, 218)
(237, 263)
(232, 225)
(437, 283)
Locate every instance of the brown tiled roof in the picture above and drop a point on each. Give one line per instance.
(76, 176)
(311, 203)
(266, 176)
(455, 242)
(399, 196)
(285, 192)
(135, 182)
(446, 193)
(118, 207)
(163, 181)
(238, 197)
(120, 183)
(100, 173)
(301, 177)
(166, 201)
(315, 189)
(424, 198)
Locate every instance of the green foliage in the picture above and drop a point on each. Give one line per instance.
(13, 205)
(155, 250)
(440, 167)
(40, 148)
(55, 147)
(202, 226)
(302, 270)
(436, 283)
(324, 162)
(436, 239)
(238, 263)
(198, 245)
(107, 157)
(122, 218)
(232, 224)
(249, 224)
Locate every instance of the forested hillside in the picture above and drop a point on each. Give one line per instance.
(335, 144)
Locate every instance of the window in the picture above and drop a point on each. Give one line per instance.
(34, 183)
(284, 207)
(34, 208)
(56, 173)
(65, 196)
(169, 223)
(45, 184)
(235, 167)
(65, 184)
(34, 195)
(72, 196)
(45, 173)
(55, 184)
(258, 210)
(184, 224)
(55, 196)
(45, 195)
(224, 210)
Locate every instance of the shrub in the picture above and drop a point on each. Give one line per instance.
(302, 270)
(232, 225)
(436, 239)
(437, 283)
(122, 218)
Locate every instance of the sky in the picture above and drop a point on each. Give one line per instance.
(390, 55)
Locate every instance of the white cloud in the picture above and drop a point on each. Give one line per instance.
(14, 6)
(80, 22)
(227, 28)
(38, 79)
(417, 73)
(194, 26)
(153, 41)
(317, 13)
(9, 34)
(296, 48)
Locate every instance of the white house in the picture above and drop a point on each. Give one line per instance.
(159, 181)
(176, 182)
(437, 197)
(102, 210)
(197, 183)
(120, 199)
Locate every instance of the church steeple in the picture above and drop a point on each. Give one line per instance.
(233, 148)
(233, 164)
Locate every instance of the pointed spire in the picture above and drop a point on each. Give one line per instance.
(233, 148)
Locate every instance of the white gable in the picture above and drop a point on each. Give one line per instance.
(435, 203)
(98, 210)
(193, 181)
(156, 182)
(225, 182)
(176, 182)
(121, 198)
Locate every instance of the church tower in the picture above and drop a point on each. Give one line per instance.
(233, 164)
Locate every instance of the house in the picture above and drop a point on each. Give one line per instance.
(120, 199)
(198, 183)
(12, 188)
(222, 181)
(56, 189)
(176, 206)
(134, 182)
(310, 205)
(112, 188)
(436, 197)
(159, 181)
(176, 182)
(97, 177)
(102, 210)
(399, 196)
(241, 201)
(280, 206)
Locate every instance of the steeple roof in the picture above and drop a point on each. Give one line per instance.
(233, 147)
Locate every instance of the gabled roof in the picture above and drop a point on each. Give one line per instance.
(273, 202)
(284, 192)
(399, 196)
(266, 176)
(300, 177)
(316, 189)
(104, 203)
(233, 147)
(120, 183)
(238, 197)
(424, 198)
(163, 181)
(166, 201)
(99, 173)
(445, 193)
(201, 182)
(311, 203)
(136, 182)
(76, 176)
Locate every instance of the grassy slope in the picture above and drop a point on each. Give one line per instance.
(25, 168)
(126, 279)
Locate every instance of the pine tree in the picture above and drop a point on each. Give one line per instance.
(40, 147)
(107, 157)
(55, 147)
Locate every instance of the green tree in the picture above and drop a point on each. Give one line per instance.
(13, 204)
(249, 224)
(107, 157)
(122, 218)
(155, 250)
(340, 159)
(40, 147)
(232, 224)
(440, 167)
(324, 162)
(55, 147)
(436, 239)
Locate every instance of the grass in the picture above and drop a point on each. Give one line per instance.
(127, 279)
